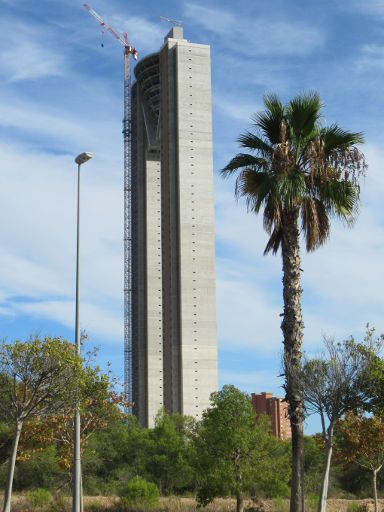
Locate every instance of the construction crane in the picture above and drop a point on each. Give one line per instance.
(128, 51)
(175, 23)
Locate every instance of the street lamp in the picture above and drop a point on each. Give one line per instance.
(76, 493)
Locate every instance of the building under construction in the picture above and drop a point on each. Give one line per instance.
(174, 347)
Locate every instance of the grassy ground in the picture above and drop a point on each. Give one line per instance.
(176, 504)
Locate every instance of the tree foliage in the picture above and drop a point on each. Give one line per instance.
(333, 385)
(99, 405)
(38, 378)
(170, 452)
(363, 444)
(235, 452)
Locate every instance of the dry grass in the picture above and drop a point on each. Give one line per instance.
(177, 504)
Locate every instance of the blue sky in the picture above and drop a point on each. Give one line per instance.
(61, 94)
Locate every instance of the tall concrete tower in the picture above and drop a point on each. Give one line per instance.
(174, 313)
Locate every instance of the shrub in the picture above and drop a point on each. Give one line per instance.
(353, 507)
(59, 504)
(280, 505)
(140, 494)
(311, 502)
(39, 498)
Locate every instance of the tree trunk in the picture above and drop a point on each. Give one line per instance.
(11, 468)
(239, 503)
(375, 490)
(322, 506)
(297, 478)
(292, 327)
(81, 492)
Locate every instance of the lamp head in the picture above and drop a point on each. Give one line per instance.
(83, 157)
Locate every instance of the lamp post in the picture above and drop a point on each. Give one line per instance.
(76, 492)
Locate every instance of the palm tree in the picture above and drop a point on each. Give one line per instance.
(296, 171)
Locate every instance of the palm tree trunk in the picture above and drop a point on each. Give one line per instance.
(292, 327)
(322, 506)
(11, 468)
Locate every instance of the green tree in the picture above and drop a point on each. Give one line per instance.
(169, 454)
(99, 405)
(234, 451)
(37, 378)
(373, 379)
(297, 169)
(314, 462)
(332, 386)
(139, 445)
(38, 469)
(363, 444)
(106, 462)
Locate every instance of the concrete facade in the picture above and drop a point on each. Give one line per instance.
(147, 249)
(174, 344)
(277, 410)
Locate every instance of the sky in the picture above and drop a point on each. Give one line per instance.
(61, 94)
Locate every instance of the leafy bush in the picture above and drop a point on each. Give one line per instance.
(39, 470)
(311, 502)
(140, 494)
(39, 498)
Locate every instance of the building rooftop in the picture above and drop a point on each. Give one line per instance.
(175, 33)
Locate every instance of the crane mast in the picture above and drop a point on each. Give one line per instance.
(127, 135)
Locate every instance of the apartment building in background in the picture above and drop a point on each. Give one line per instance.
(277, 410)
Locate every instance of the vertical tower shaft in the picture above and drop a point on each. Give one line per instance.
(174, 348)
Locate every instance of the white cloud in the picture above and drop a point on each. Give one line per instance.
(37, 259)
(143, 34)
(234, 107)
(371, 58)
(29, 52)
(368, 8)
(26, 60)
(97, 320)
(146, 36)
(60, 127)
(6, 312)
(256, 35)
(212, 19)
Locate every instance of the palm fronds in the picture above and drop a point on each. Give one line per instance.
(295, 164)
